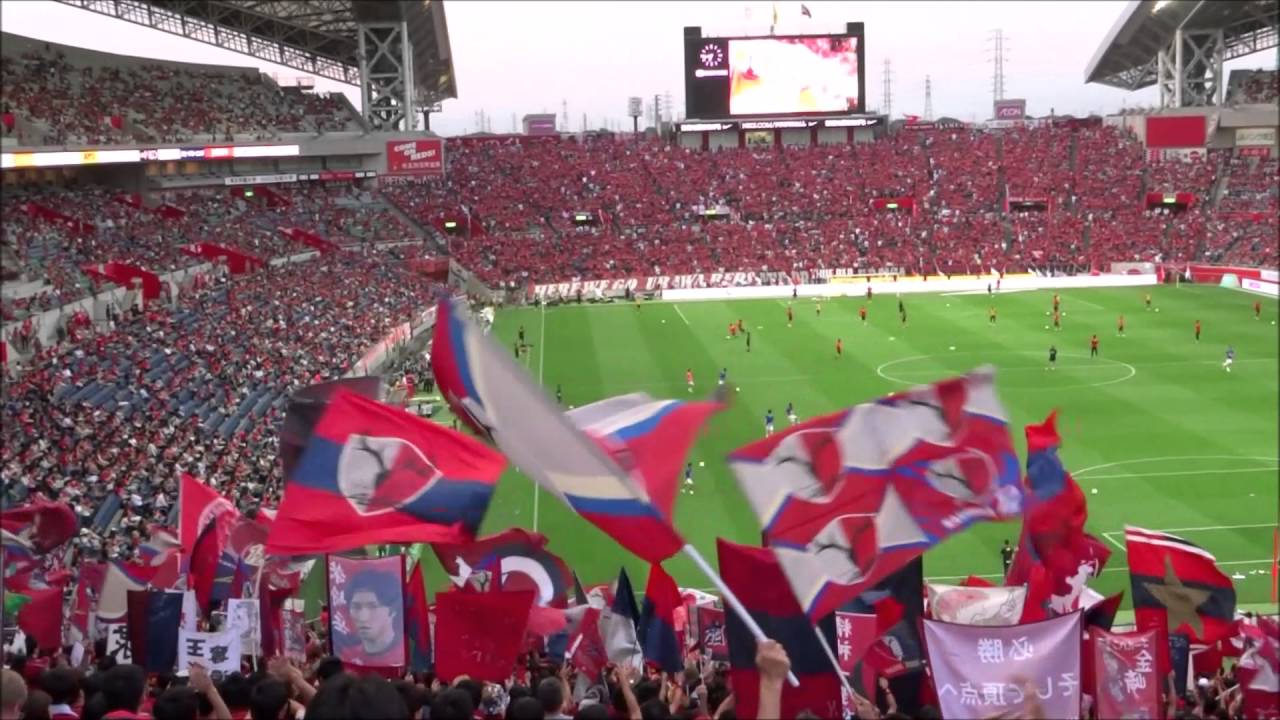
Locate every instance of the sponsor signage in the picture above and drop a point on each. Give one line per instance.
(1255, 137)
(326, 175)
(65, 158)
(790, 124)
(416, 157)
(261, 179)
(1010, 109)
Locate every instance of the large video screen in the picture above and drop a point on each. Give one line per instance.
(773, 76)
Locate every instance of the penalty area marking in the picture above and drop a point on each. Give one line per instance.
(880, 370)
(682, 317)
(1166, 458)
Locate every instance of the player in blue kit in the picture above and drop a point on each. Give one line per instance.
(768, 422)
(688, 479)
(1231, 357)
(724, 374)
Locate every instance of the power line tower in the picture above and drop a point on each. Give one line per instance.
(564, 114)
(514, 128)
(928, 98)
(887, 93)
(997, 64)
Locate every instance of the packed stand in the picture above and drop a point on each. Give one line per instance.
(81, 98)
(344, 215)
(1253, 87)
(1252, 185)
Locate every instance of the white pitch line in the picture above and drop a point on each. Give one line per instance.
(1182, 472)
(542, 352)
(1165, 458)
(1207, 528)
(1105, 570)
(682, 317)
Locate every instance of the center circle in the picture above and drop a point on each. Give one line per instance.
(1035, 365)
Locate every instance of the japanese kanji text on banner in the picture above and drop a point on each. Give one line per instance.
(415, 157)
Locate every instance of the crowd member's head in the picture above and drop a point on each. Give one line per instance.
(62, 684)
(349, 698)
(415, 696)
(654, 709)
(269, 700)
(122, 688)
(551, 696)
(452, 704)
(472, 688)
(526, 708)
(594, 711)
(36, 706)
(328, 668)
(177, 702)
(235, 689)
(14, 691)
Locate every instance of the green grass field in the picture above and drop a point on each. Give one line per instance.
(1155, 427)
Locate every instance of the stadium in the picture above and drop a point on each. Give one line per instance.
(768, 399)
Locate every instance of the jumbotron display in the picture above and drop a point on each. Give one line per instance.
(774, 76)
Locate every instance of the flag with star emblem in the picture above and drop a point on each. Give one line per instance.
(1178, 589)
(375, 474)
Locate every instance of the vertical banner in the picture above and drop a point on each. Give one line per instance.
(983, 672)
(854, 634)
(366, 611)
(246, 617)
(117, 642)
(715, 646)
(218, 652)
(1126, 682)
(293, 626)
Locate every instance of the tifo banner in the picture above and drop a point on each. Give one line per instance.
(416, 157)
(1010, 109)
(1255, 137)
(218, 652)
(1126, 681)
(655, 282)
(366, 606)
(977, 605)
(983, 672)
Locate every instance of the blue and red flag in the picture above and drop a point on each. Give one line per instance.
(417, 621)
(658, 621)
(756, 577)
(42, 524)
(847, 499)
(514, 559)
(376, 474)
(496, 397)
(154, 619)
(1053, 536)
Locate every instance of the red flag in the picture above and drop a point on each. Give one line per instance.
(1126, 681)
(711, 637)
(417, 621)
(41, 618)
(1259, 669)
(516, 558)
(42, 524)
(88, 590)
(586, 650)
(198, 506)
(479, 634)
(1053, 536)
(658, 621)
(372, 473)
(855, 633)
(204, 564)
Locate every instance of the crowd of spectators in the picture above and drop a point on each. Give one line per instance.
(69, 100)
(1253, 87)
(812, 207)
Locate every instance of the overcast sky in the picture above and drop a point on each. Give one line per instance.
(527, 57)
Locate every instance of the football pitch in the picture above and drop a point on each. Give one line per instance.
(1155, 431)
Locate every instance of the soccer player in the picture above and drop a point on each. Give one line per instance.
(1231, 357)
(903, 317)
(559, 395)
(901, 308)
(688, 378)
(1148, 300)
(1257, 310)
(868, 292)
(521, 334)
(748, 341)
(839, 348)
(794, 292)
(791, 413)
(1120, 325)
(819, 308)
(724, 373)
(516, 346)
(1053, 357)
(1197, 331)
(862, 313)
(988, 289)
(1093, 346)
(688, 479)
(768, 422)
(741, 328)
(733, 330)
(790, 315)
(991, 315)
(1057, 302)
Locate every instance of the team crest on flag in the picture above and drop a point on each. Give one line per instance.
(380, 474)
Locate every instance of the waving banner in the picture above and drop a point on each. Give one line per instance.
(983, 672)
(1125, 676)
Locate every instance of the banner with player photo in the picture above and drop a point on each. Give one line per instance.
(366, 611)
(293, 631)
(245, 615)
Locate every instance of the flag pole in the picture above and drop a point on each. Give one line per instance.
(835, 664)
(732, 601)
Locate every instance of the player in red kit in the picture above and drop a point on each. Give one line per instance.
(688, 378)
(1197, 331)
(1056, 302)
(1257, 310)
(733, 330)
(839, 348)
(1057, 320)
(1120, 325)
(868, 292)
(1093, 346)
(790, 315)
(862, 313)
(741, 328)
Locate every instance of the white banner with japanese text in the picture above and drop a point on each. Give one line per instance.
(218, 652)
(1124, 674)
(983, 672)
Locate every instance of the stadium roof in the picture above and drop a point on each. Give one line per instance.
(1127, 57)
(314, 36)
